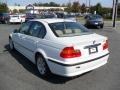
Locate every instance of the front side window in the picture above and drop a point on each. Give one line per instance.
(65, 29)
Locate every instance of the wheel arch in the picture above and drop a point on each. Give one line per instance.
(10, 36)
(40, 52)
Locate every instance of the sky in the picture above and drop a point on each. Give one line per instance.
(105, 3)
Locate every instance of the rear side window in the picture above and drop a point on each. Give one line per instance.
(37, 30)
(24, 28)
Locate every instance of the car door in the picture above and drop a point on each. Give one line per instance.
(19, 38)
(36, 32)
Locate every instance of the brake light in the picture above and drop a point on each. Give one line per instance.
(105, 45)
(70, 52)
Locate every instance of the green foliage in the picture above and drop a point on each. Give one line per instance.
(83, 8)
(3, 7)
(21, 11)
(47, 4)
(97, 8)
(15, 11)
(105, 12)
(119, 10)
(75, 7)
(69, 8)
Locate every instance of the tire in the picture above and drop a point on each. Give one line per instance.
(101, 26)
(11, 45)
(42, 66)
(98, 27)
(6, 22)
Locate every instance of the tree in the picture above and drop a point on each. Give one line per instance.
(21, 11)
(107, 13)
(47, 4)
(54, 4)
(3, 7)
(76, 7)
(69, 7)
(98, 8)
(83, 8)
(118, 10)
(15, 11)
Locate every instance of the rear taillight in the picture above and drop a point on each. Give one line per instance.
(106, 45)
(70, 52)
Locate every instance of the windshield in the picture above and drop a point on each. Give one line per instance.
(95, 17)
(65, 29)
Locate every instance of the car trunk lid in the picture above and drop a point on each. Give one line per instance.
(89, 44)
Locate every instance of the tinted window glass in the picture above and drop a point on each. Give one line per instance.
(62, 29)
(1, 14)
(37, 30)
(4, 14)
(24, 28)
(95, 16)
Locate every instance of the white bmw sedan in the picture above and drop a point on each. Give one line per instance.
(60, 46)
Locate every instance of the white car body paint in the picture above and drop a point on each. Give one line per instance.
(51, 46)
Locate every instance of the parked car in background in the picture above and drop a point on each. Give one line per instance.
(39, 16)
(70, 17)
(17, 18)
(94, 21)
(48, 16)
(66, 16)
(4, 18)
(63, 47)
(30, 17)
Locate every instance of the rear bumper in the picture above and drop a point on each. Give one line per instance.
(69, 70)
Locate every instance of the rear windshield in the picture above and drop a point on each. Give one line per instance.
(14, 16)
(69, 16)
(67, 29)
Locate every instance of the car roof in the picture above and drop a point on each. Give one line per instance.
(53, 20)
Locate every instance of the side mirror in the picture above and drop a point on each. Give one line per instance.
(15, 31)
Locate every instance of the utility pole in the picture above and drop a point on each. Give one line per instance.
(113, 10)
(89, 5)
(115, 5)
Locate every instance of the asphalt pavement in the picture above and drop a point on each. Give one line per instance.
(17, 73)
